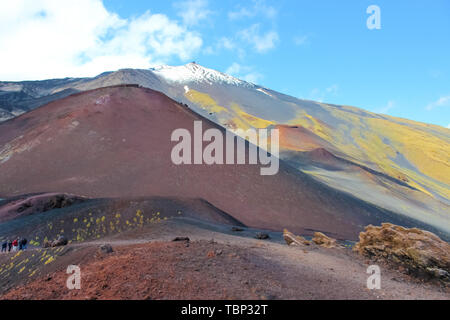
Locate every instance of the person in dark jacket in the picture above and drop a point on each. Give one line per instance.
(4, 245)
(9, 245)
(23, 244)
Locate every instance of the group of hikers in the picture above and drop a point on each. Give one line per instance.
(14, 245)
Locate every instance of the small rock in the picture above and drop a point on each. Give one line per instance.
(438, 273)
(106, 248)
(47, 244)
(268, 297)
(262, 236)
(61, 241)
(181, 239)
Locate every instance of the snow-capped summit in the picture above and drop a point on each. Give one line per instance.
(193, 72)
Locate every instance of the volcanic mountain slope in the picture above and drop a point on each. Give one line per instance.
(115, 142)
(396, 164)
(400, 165)
(50, 215)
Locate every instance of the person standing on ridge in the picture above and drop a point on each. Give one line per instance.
(23, 244)
(15, 245)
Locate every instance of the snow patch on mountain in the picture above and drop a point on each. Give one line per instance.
(193, 72)
(265, 92)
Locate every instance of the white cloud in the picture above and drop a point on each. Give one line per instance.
(259, 8)
(209, 50)
(448, 127)
(441, 102)
(301, 40)
(234, 69)
(434, 73)
(390, 104)
(226, 43)
(44, 39)
(223, 43)
(241, 13)
(253, 77)
(333, 89)
(244, 73)
(321, 95)
(193, 11)
(261, 42)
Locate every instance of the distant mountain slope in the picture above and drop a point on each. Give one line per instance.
(115, 142)
(398, 164)
(35, 215)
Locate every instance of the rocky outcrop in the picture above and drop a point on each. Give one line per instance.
(33, 204)
(324, 241)
(293, 240)
(419, 252)
(61, 241)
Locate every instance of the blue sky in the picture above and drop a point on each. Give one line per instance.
(320, 50)
(325, 51)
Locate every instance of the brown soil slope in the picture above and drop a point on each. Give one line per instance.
(205, 269)
(115, 142)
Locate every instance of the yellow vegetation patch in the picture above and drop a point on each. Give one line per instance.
(49, 260)
(385, 143)
(204, 101)
(312, 124)
(250, 120)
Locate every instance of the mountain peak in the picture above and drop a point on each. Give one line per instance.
(193, 72)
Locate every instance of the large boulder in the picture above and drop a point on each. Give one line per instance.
(293, 240)
(324, 241)
(61, 241)
(418, 251)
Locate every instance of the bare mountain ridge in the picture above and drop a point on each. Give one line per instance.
(115, 142)
(398, 164)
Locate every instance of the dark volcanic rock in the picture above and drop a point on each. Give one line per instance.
(181, 239)
(61, 241)
(262, 236)
(106, 248)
